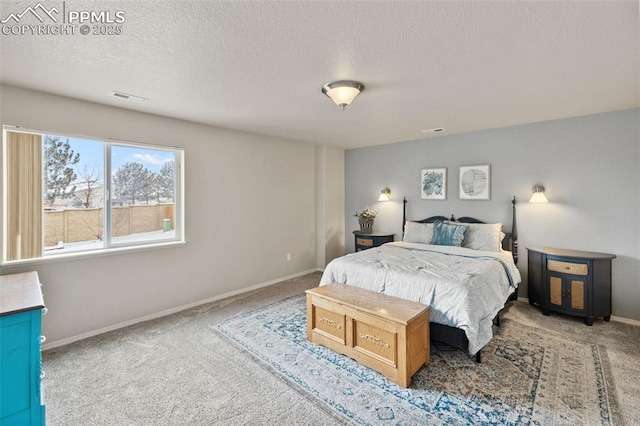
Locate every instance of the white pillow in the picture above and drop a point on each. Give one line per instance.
(483, 236)
(415, 232)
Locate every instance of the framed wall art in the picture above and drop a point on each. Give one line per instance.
(433, 184)
(475, 182)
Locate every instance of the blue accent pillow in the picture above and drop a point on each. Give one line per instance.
(445, 234)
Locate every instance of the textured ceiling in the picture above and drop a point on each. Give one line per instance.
(260, 66)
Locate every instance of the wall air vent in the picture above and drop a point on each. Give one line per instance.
(128, 97)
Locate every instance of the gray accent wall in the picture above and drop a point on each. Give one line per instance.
(589, 165)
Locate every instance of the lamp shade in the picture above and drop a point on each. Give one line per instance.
(538, 195)
(384, 194)
(343, 92)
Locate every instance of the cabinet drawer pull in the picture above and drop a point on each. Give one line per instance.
(43, 338)
(42, 374)
(44, 311)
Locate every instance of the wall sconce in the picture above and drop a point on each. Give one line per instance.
(538, 195)
(343, 92)
(384, 194)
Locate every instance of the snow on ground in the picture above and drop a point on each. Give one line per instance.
(155, 236)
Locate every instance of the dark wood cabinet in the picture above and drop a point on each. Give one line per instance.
(367, 241)
(571, 282)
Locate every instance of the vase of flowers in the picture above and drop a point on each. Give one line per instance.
(365, 219)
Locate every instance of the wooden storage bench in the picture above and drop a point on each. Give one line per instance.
(385, 333)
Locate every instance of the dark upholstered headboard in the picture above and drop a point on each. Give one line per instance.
(510, 242)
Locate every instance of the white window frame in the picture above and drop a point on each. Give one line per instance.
(109, 247)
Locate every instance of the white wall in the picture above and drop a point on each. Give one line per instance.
(589, 165)
(250, 200)
(335, 199)
(330, 195)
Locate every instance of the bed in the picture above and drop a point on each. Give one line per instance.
(464, 269)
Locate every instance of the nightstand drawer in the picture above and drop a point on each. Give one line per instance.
(568, 267)
(364, 242)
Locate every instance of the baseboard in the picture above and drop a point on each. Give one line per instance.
(613, 318)
(166, 312)
(625, 320)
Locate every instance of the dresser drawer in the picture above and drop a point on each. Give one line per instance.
(568, 267)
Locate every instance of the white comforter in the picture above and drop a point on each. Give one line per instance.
(464, 288)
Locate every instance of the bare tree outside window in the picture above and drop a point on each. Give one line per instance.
(89, 179)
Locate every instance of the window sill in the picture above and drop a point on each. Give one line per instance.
(89, 254)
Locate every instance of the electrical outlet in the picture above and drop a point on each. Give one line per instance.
(288, 257)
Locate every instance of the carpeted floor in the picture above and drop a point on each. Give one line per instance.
(527, 375)
(175, 371)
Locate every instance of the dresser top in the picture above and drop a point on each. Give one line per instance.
(20, 293)
(572, 253)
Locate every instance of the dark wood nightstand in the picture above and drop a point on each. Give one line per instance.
(367, 241)
(571, 282)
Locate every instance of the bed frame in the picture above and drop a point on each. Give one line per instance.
(454, 336)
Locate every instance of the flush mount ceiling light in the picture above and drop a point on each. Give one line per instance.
(343, 92)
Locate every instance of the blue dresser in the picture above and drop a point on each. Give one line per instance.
(21, 309)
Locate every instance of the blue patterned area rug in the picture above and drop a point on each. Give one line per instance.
(527, 376)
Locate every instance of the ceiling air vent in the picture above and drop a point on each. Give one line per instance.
(128, 97)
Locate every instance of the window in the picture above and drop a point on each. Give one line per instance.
(66, 195)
